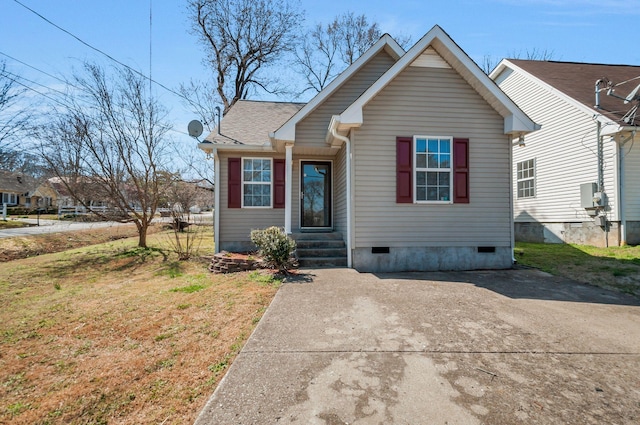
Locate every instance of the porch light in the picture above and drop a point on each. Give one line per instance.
(521, 140)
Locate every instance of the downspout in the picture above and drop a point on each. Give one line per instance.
(216, 201)
(347, 143)
(600, 152)
(621, 206)
(511, 208)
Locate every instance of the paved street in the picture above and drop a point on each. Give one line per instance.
(55, 226)
(52, 226)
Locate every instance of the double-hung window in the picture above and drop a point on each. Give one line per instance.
(9, 199)
(526, 178)
(256, 182)
(433, 169)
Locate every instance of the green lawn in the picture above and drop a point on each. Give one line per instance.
(614, 267)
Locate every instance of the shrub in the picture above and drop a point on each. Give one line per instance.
(275, 247)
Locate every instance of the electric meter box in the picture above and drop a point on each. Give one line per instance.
(587, 192)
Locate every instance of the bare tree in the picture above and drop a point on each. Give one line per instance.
(328, 49)
(203, 101)
(242, 38)
(489, 62)
(187, 234)
(110, 145)
(14, 117)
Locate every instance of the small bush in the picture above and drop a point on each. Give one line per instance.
(276, 248)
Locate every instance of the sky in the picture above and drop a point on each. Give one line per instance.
(571, 30)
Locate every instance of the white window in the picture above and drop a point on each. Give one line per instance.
(256, 182)
(10, 199)
(526, 178)
(433, 170)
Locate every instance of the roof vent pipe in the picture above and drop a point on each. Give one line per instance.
(218, 115)
(598, 93)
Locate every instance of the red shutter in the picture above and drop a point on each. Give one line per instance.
(278, 183)
(235, 183)
(461, 171)
(404, 172)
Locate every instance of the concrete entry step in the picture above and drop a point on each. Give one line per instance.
(320, 249)
(317, 262)
(313, 236)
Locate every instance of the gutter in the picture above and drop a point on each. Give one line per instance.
(209, 147)
(334, 132)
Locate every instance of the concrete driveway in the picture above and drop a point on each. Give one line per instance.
(484, 347)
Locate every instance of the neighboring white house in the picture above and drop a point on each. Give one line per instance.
(404, 158)
(576, 180)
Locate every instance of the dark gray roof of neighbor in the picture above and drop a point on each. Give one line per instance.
(17, 182)
(249, 122)
(577, 80)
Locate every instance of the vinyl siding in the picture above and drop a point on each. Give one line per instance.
(438, 102)
(631, 184)
(340, 191)
(565, 153)
(236, 223)
(313, 129)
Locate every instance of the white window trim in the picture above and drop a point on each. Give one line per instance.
(534, 179)
(11, 198)
(261, 183)
(415, 170)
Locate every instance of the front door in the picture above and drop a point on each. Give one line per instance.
(315, 194)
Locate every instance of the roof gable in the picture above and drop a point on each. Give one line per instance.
(288, 130)
(577, 82)
(447, 52)
(249, 122)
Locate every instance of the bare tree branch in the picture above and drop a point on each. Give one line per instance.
(112, 147)
(243, 38)
(15, 118)
(328, 49)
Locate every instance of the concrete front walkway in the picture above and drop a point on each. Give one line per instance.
(487, 347)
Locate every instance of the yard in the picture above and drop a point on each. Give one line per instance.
(111, 333)
(613, 268)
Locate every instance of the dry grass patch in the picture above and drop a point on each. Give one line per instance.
(117, 334)
(30, 246)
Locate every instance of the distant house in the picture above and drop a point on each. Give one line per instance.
(21, 190)
(403, 160)
(89, 193)
(576, 180)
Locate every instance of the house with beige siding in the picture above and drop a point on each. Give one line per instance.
(24, 191)
(401, 163)
(575, 180)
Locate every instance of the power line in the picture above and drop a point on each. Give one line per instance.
(105, 54)
(38, 92)
(7, 73)
(37, 69)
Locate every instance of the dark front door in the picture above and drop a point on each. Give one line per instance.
(315, 196)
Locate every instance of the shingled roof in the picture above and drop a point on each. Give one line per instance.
(11, 182)
(577, 80)
(249, 122)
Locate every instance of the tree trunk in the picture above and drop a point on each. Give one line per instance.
(142, 234)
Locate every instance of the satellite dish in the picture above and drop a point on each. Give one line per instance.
(195, 128)
(632, 95)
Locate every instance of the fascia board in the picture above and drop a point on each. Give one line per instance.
(288, 130)
(209, 147)
(353, 114)
(551, 89)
